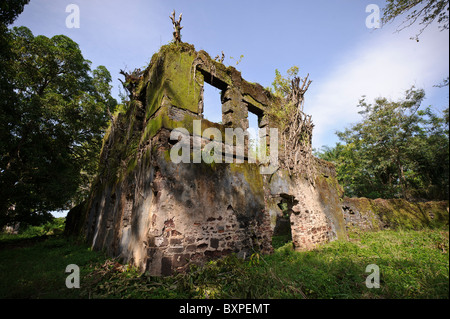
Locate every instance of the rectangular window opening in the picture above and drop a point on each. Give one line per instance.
(212, 105)
(253, 130)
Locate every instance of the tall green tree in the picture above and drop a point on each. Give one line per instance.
(51, 134)
(9, 11)
(396, 150)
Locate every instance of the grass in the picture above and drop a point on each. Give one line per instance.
(413, 264)
(35, 267)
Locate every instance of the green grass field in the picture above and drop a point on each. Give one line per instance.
(412, 264)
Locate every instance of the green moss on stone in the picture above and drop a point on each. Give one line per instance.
(251, 100)
(330, 194)
(132, 164)
(170, 75)
(252, 175)
(401, 214)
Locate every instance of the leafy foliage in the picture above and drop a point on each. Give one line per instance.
(396, 150)
(281, 85)
(280, 113)
(427, 10)
(52, 126)
(9, 10)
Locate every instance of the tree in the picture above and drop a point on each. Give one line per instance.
(9, 10)
(396, 150)
(426, 10)
(52, 132)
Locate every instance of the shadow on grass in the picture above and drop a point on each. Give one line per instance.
(412, 265)
(12, 241)
(35, 267)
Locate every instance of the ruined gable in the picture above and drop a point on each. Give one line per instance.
(163, 216)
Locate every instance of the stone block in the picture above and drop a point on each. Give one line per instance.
(228, 106)
(166, 266)
(231, 94)
(176, 250)
(214, 243)
(175, 241)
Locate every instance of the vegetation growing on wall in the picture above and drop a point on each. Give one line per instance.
(286, 113)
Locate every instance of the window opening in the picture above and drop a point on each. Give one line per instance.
(253, 130)
(212, 105)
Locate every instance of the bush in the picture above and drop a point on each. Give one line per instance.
(54, 227)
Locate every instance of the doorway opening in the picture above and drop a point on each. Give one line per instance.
(282, 232)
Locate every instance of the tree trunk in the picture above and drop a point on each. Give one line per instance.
(402, 178)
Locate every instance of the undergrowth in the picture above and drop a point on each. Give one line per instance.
(413, 264)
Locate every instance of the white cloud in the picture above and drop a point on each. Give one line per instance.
(386, 64)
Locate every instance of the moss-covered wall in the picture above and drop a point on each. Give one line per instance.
(368, 214)
(170, 75)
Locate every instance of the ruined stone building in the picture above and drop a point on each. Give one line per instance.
(163, 216)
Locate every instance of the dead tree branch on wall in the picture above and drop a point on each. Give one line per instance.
(297, 133)
(131, 81)
(220, 59)
(296, 94)
(297, 138)
(176, 27)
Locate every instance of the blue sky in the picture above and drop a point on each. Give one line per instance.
(326, 38)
